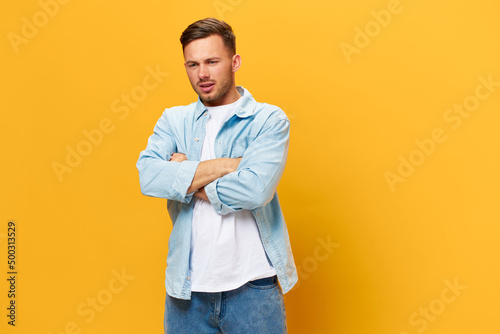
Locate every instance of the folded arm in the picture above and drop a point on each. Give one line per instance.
(207, 171)
(255, 182)
(165, 173)
(160, 177)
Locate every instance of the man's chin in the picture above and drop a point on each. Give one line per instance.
(208, 98)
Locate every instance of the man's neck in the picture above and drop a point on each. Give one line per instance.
(235, 95)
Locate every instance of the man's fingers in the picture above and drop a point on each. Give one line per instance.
(178, 157)
(201, 193)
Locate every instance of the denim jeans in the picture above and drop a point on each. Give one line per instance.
(257, 307)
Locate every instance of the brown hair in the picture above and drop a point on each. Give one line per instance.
(208, 27)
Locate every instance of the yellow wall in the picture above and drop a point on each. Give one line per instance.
(391, 191)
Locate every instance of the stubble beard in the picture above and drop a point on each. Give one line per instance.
(219, 93)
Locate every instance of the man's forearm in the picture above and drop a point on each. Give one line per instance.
(210, 170)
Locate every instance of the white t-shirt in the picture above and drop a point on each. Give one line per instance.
(226, 251)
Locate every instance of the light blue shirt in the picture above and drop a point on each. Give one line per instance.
(257, 132)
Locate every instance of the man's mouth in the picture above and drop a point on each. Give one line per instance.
(206, 87)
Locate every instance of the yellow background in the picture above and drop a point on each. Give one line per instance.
(393, 251)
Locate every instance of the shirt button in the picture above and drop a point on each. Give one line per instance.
(205, 114)
(188, 278)
(196, 139)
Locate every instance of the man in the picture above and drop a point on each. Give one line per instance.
(218, 161)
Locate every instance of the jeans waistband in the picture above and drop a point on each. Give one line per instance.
(265, 281)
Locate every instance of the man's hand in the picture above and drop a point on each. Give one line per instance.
(201, 194)
(179, 157)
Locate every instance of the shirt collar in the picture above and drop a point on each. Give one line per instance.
(246, 108)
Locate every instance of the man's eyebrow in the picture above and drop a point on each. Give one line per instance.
(205, 60)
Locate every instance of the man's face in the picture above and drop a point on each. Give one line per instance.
(210, 68)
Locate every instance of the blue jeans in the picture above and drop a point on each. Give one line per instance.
(257, 307)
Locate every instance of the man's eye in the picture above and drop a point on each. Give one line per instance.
(192, 65)
(213, 62)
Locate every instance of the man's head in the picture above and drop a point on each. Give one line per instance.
(211, 60)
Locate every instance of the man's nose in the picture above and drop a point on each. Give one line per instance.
(203, 73)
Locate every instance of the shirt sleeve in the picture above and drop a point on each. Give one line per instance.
(160, 177)
(255, 182)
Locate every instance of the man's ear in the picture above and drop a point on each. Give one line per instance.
(236, 62)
